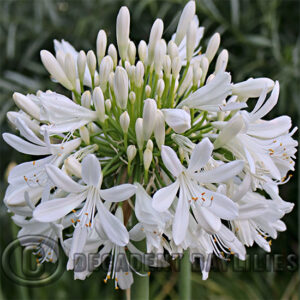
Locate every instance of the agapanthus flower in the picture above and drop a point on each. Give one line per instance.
(151, 147)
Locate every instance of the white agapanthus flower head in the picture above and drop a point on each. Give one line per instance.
(152, 144)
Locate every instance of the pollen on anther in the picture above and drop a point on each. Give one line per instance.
(203, 199)
(86, 214)
(33, 162)
(149, 273)
(203, 194)
(78, 220)
(195, 198)
(25, 178)
(74, 211)
(72, 220)
(212, 198)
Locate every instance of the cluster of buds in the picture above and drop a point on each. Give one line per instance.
(162, 128)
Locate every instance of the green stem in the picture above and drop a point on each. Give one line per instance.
(140, 288)
(185, 277)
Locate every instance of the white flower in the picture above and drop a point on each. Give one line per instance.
(207, 206)
(92, 177)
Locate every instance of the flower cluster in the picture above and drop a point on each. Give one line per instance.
(154, 147)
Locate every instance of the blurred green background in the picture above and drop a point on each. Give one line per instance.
(262, 37)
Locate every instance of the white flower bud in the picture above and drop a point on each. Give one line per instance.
(111, 79)
(98, 100)
(91, 62)
(101, 45)
(155, 35)
(121, 87)
(81, 64)
(149, 113)
(86, 99)
(186, 82)
(176, 66)
(131, 52)
(139, 133)
(60, 57)
(213, 46)
(131, 153)
(131, 73)
(27, 105)
(160, 87)
(125, 121)
(191, 38)
(108, 105)
(159, 129)
(167, 65)
(106, 67)
(172, 50)
(127, 65)
(147, 159)
(132, 97)
(252, 87)
(55, 69)
(97, 80)
(84, 134)
(197, 73)
(142, 50)
(73, 166)
(112, 52)
(123, 24)
(184, 21)
(147, 90)
(139, 74)
(149, 145)
(204, 64)
(159, 53)
(222, 61)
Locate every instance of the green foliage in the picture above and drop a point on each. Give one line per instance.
(262, 39)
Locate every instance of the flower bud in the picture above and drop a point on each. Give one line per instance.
(149, 145)
(149, 113)
(155, 36)
(97, 80)
(213, 46)
(139, 74)
(73, 166)
(124, 121)
(131, 74)
(91, 62)
(160, 87)
(86, 99)
(101, 45)
(123, 24)
(159, 53)
(147, 159)
(131, 153)
(81, 64)
(184, 21)
(98, 100)
(159, 129)
(60, 57)
(131, 52)
(111, 79)
(139, 133)
(191, 38)
(132, 97)
(147, 90)
(176, 66)
(186, 82)
(112, 52)
(27, 105)
(197, 73)
(121, 87)
(167, 65)
(84, 134)
(142, 50)
(70, 69)
(108, 105)
(55, 69)
(204, 64)
(222, 61)
(106, 67)
(172, 50)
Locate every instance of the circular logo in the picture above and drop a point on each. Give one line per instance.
(33, 260)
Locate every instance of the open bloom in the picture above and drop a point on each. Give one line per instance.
(93, 194)
(208, 206)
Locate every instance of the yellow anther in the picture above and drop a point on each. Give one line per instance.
(33, 162)
(149, 273)
(72, 220)
(195, 198)
(203, 194)
(108, 276)
(105, 281)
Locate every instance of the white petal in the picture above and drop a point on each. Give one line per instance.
(91, 170)
(137, 232)
(62, 180)
(252, 210)
(112, 226)
(200, 155)
(220, 174)
(207, 220)
(164, 197)
(181, 219)
(171, 160)
(55, 209)
(118, 193)
(178, 119)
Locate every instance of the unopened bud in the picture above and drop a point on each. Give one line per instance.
(176, 66)
(186, 82)
(139, 133)
(155, 36)
(142, 50)
(147, 159)
(167, 65)
(27, 105)
(84, 134)
(222, 61)
(147, 90)
(131, 153)
(121, 87)
(91, 62)
(197, 73)
(81, 64)
(159, 129)
(101, 45)
(132, 97)
(139, 74)
(70, 69)
(160, 87)
(149, 113)
(60, 57)
(86, 99)
(204, 64)
(213, 46)
(112, 52)
(131, 52)
(172, 50)
(125, 121)
(191, 38)
(98, 100)
(159, 53)
(123, 25)
(149, 145)
(73, 166)
(108, 105)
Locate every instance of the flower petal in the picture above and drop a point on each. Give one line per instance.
(171, 160)
(91, 170)
(118, 193)
(62, 180)
(200, 155)
(207, 220)
(178, 119)
(164, 197)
